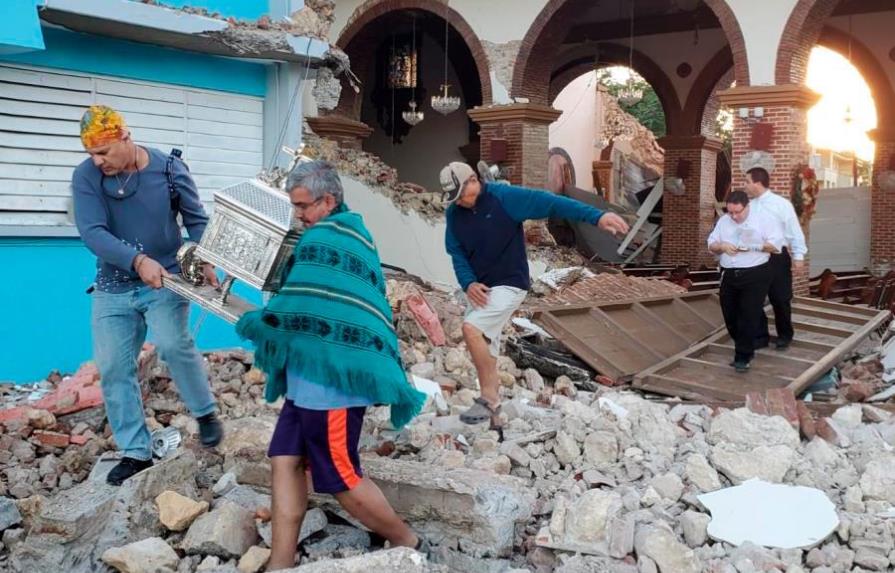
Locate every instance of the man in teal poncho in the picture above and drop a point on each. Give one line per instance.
(326, 341)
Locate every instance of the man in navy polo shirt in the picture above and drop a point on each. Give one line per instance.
(486, 242)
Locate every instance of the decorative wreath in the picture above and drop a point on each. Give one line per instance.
(804, 193)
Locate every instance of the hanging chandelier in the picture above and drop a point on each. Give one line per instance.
(444, 103)
(413, 116)
(630, 94)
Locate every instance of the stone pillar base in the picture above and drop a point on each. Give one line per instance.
(344, 131)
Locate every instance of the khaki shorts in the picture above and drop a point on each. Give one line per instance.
(490, 319)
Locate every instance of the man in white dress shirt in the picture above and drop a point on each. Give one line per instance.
(792, 255)
(744, 239)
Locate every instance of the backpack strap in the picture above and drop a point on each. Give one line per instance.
(175, 154)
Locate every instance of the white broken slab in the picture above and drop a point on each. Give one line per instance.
(885, 394)
(530, 328)
(555, 277)
(771, 515)
(433, 390)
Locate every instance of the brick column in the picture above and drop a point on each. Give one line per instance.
(785, 111)
(882, 203)
(344, 131)
(515, 136)
(688, 217)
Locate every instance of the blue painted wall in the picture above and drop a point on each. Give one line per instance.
(20, 27)
(102, 55)
(45, 313)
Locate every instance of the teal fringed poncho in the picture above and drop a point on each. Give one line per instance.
(331, 321)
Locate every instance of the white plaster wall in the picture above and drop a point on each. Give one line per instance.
(406, 241)
(685, 50)
(575, 130)
(497, 21)
(762, 23)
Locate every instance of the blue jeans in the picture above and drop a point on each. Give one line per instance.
(120, 321)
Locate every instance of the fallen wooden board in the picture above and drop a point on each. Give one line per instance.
(619, 339)
(825, 333)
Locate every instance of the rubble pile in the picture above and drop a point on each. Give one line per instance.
(376, 174)
(607, 287)
(578, 478)
(314, 19)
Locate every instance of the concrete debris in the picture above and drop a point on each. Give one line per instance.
(227, 532)
(772, 515)
(177, 512)
(146, 556)
(582, 477)
(604, 287)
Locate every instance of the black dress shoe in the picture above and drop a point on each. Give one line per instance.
(782, 344)
(126, 468)
(211, 431)
(741, 366)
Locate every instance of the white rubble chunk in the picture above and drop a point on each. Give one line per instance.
(146, 556)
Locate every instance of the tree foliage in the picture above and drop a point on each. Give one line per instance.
(648, 111)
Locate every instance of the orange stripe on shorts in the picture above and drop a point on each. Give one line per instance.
(337, 429)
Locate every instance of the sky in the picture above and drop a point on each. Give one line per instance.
(842, 89)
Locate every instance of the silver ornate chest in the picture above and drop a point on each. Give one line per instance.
(250, 237)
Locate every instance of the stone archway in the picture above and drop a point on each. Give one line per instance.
(577, 64)
(702, 104)
(371, 10)
(533, 67)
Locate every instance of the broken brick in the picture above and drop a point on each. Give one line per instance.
(807, 424)
(78, 440)
(756, 403)
(782, 402)
(53, 439)
(859, 391)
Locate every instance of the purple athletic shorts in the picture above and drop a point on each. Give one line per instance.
(326, 439)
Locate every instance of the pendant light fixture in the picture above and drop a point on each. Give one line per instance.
(630, 94)
(412, 115)
(444, 103)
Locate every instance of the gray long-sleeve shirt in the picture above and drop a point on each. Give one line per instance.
(118, 223)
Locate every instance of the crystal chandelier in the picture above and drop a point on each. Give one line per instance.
(630, 94)
(413, 116)
(444, 103)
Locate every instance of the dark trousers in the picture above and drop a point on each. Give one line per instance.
(780, 295)
(742, 300)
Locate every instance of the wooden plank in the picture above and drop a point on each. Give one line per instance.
(48, 95)
(33, 219)
(689, 323)
(41, 157)
(35, 141)
(139, 91)
(726, 373)
(798, 353)
(642, 214)
(236, 143)
(35, 172)
(817, 328)
(699, 391)
(764, 363)
(837, 354)
(231, 169)
(609, 353)
(31, 203)
(228, 129)
(656, 339)
(45, 79)
(230, 102)
(820, 303)
(46, 110)
(43, 188)
(213, 114)
(803, 310)
(196, 153)
(37, 125)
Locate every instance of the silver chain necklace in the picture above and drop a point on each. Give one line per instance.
(122, 186)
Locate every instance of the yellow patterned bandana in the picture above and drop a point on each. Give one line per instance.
(101, 125)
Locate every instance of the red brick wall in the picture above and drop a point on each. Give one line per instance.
(527, 150)
(790, 148)
(688, 219)
(882, 213)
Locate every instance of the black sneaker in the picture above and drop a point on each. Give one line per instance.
(126, 468)
(211, 431)
(782, 344)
